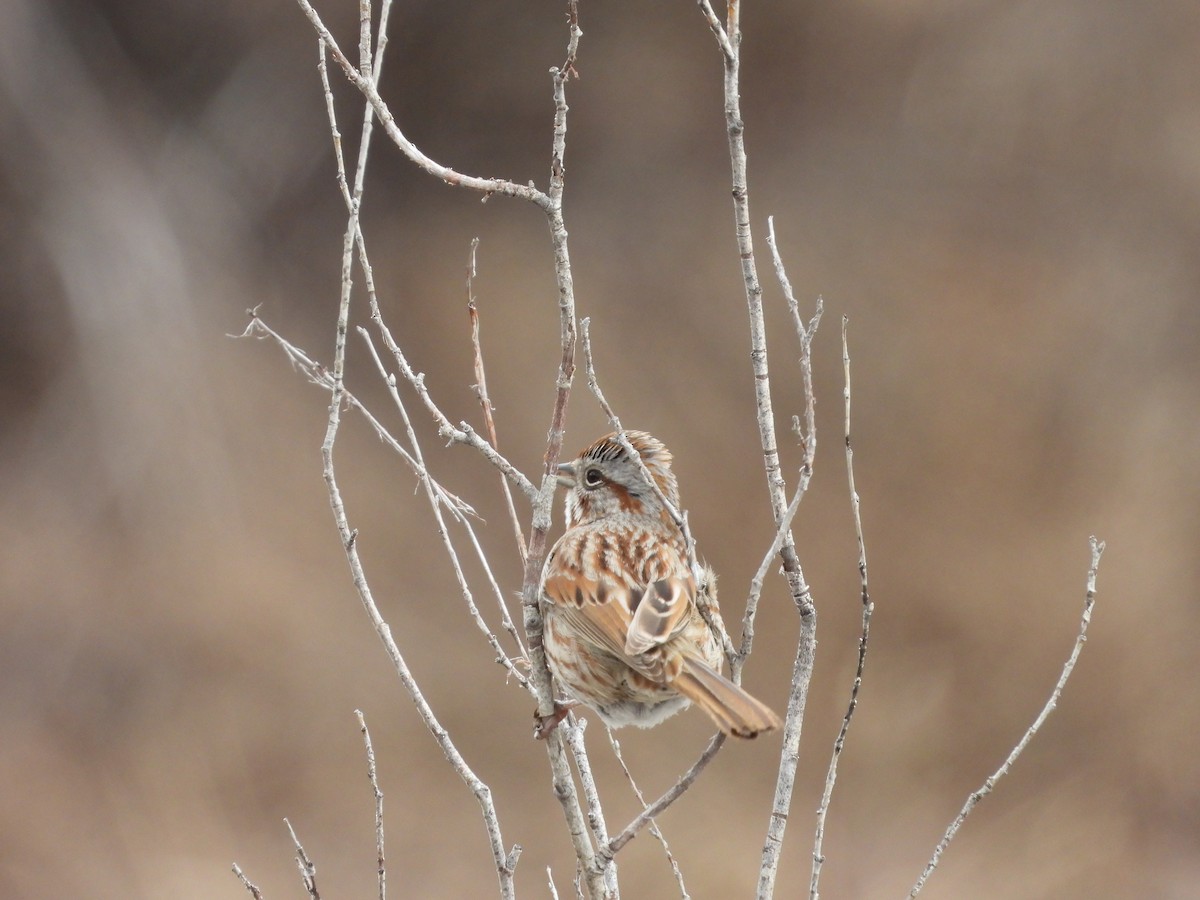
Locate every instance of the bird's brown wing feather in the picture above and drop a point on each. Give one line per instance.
(598, 610)
(618, 612)
(662, 612)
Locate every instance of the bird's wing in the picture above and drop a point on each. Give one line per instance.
(598, 609)
(662, 612)
(626, 613)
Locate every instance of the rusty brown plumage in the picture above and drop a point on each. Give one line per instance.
(622, 630)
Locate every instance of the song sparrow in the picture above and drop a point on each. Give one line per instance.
(623, 632)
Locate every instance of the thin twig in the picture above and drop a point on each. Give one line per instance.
(686, 780)
(729, 41)
(460, 434)
(379, 855)
(654, 829)
(486, 186)
(560, 75)
(539, 673)
(551, 204)
(444, 533)
(550, 881)
(481, 791)
(364, 39)
(481, 391)
(789, 757)
(322, 377)
(504, 861)
(808, 441)
(1097, 548)
(718, 30)
(308, 872)
(247, 883)
(679, 516)
(863, 639)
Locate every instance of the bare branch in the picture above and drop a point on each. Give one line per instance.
(718, 30)
(686, 780)
(481, 791)
(308, 872)
(249, 885)
(560, 76)
(805, 333)
(808, 440)
(484, 400)
(1097, 548)
(321, 376)
(460, 434)
(595, 815)
(737, 150)
(379, 855)
(806, 647)
(349, 540)
(654, 830)
(729, 40)
(486, 186)
(444, 533)
(364, 40)
(863, 639)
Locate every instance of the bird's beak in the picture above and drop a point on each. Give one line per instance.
(566, 475)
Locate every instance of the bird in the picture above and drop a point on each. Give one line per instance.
(621, 603)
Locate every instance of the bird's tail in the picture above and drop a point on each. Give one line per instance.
(733, 710)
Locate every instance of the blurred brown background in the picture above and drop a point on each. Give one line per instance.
(1003, 196)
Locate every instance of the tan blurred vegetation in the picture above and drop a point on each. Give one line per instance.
(1003, 196)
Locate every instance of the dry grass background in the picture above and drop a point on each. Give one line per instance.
(1003, 196)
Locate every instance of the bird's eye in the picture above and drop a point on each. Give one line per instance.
(593, 478)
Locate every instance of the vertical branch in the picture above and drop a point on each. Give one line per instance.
(379, 856)
(729, 39)
(485, 401)
(308, 872)
(505, 862)
(349, 537)
(807, 435)
(863, 638)
(806, 646)
(600, 883)
(591, 795)
(530, 589)
(1089, 600)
